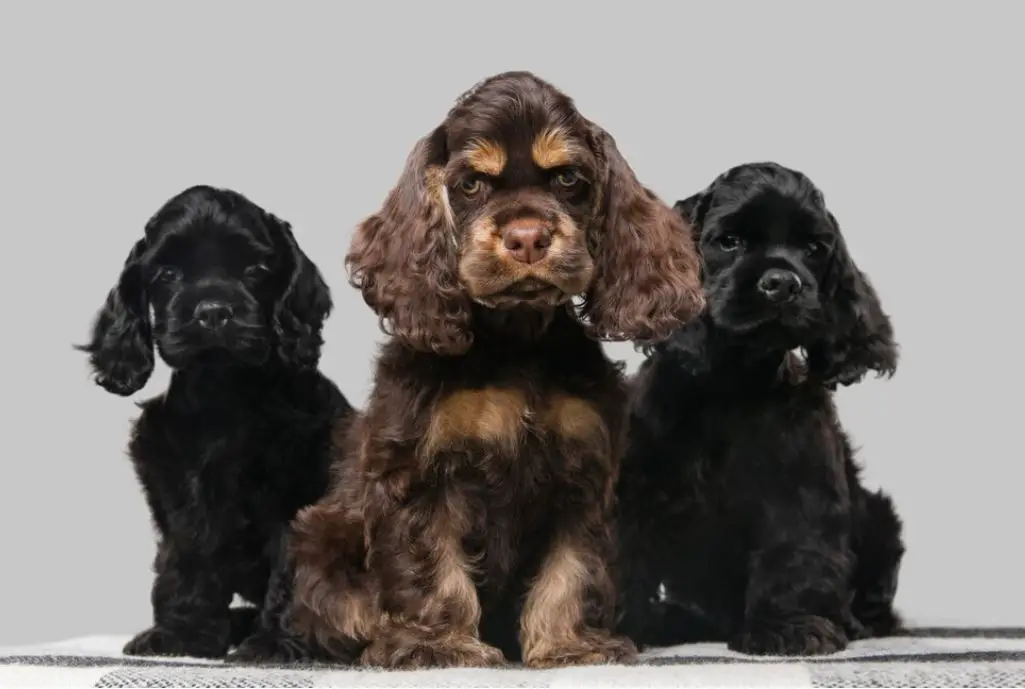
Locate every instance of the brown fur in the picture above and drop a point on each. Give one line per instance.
(552, 148)
(470, 518)
(486, 156)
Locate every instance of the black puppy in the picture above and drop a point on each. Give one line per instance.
(242, 437)
(742, 515)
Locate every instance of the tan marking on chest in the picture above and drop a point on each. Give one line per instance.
(575, 418)
(496, 416)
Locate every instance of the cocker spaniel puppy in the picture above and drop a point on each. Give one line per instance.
(474, 504)
(740, 501)
(242, 437)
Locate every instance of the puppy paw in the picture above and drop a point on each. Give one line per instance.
(158, 641)
(799, 636)
(406, 652)
(594, 648)
(265, 647)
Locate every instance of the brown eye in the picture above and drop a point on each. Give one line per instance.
(257, 271)
(728, 242)
(567, 178)
(167, 274)
(470, 186)
(814, 247)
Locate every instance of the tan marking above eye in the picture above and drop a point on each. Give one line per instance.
(552, 148)
(486, 156)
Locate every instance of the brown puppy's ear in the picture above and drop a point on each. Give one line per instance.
(648, 281)
(860, 336)
(404, 259)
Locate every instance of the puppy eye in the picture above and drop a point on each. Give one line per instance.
(567, 178)
(257, 271)
(471, 186)
(167, 274)
(728, 242)
(814, 247)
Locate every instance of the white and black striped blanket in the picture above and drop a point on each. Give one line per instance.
(924, 658)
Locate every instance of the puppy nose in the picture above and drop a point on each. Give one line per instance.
(212, 315)
(526, 243)
(779, 285)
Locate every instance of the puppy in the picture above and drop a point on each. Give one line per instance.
(472, 514)
(740, 496)
(241, 439)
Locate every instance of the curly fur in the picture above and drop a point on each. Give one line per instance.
(470, 521)
(241, 439)
(740, 495)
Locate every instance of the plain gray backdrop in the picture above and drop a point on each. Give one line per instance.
(908, 115)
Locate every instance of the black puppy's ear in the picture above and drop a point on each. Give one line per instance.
(692, 209)
(304, 304)
(859, 338)
(121, 349)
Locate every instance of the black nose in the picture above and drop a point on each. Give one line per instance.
(212, 314)
(779, 285)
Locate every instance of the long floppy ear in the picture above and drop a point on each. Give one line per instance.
(121, 348)
(692, 209)
(404, 260)
(859, 338)
(647, 282)
(304, 304)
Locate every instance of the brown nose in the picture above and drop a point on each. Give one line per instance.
(526, 242)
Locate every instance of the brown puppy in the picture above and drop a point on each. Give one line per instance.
(473, 503)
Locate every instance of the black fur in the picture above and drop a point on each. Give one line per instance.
(241, 439)
(740, 495)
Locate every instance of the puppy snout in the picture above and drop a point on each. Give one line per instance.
(779, 286)
(526, 240)
(213, 315)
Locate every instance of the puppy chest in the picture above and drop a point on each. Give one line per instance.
(547, 433)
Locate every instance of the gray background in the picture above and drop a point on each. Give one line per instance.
(908, 115)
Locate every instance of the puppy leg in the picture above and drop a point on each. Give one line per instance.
(432, 612)
(190, 608)
(574, 580)
(274, 640)
(797, 597)
(641, 613)
(878, 551)
(334, 607)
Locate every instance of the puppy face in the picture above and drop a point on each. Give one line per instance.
(777, 272)
(215, 280)
(517, 200)
(765, 261)
(522, 187)
(209, 286)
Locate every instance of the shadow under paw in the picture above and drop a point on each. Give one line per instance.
(591, 649)
(407, 652)
(277, 648)
(158, 641)
(800, 636)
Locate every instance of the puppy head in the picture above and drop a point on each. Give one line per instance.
(516, 200)
(777, 272)
(216, 280)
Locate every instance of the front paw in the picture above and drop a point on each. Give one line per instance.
(264, 647)
(158, 641)
(405, 651)
(800, 636)
(594, 648)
